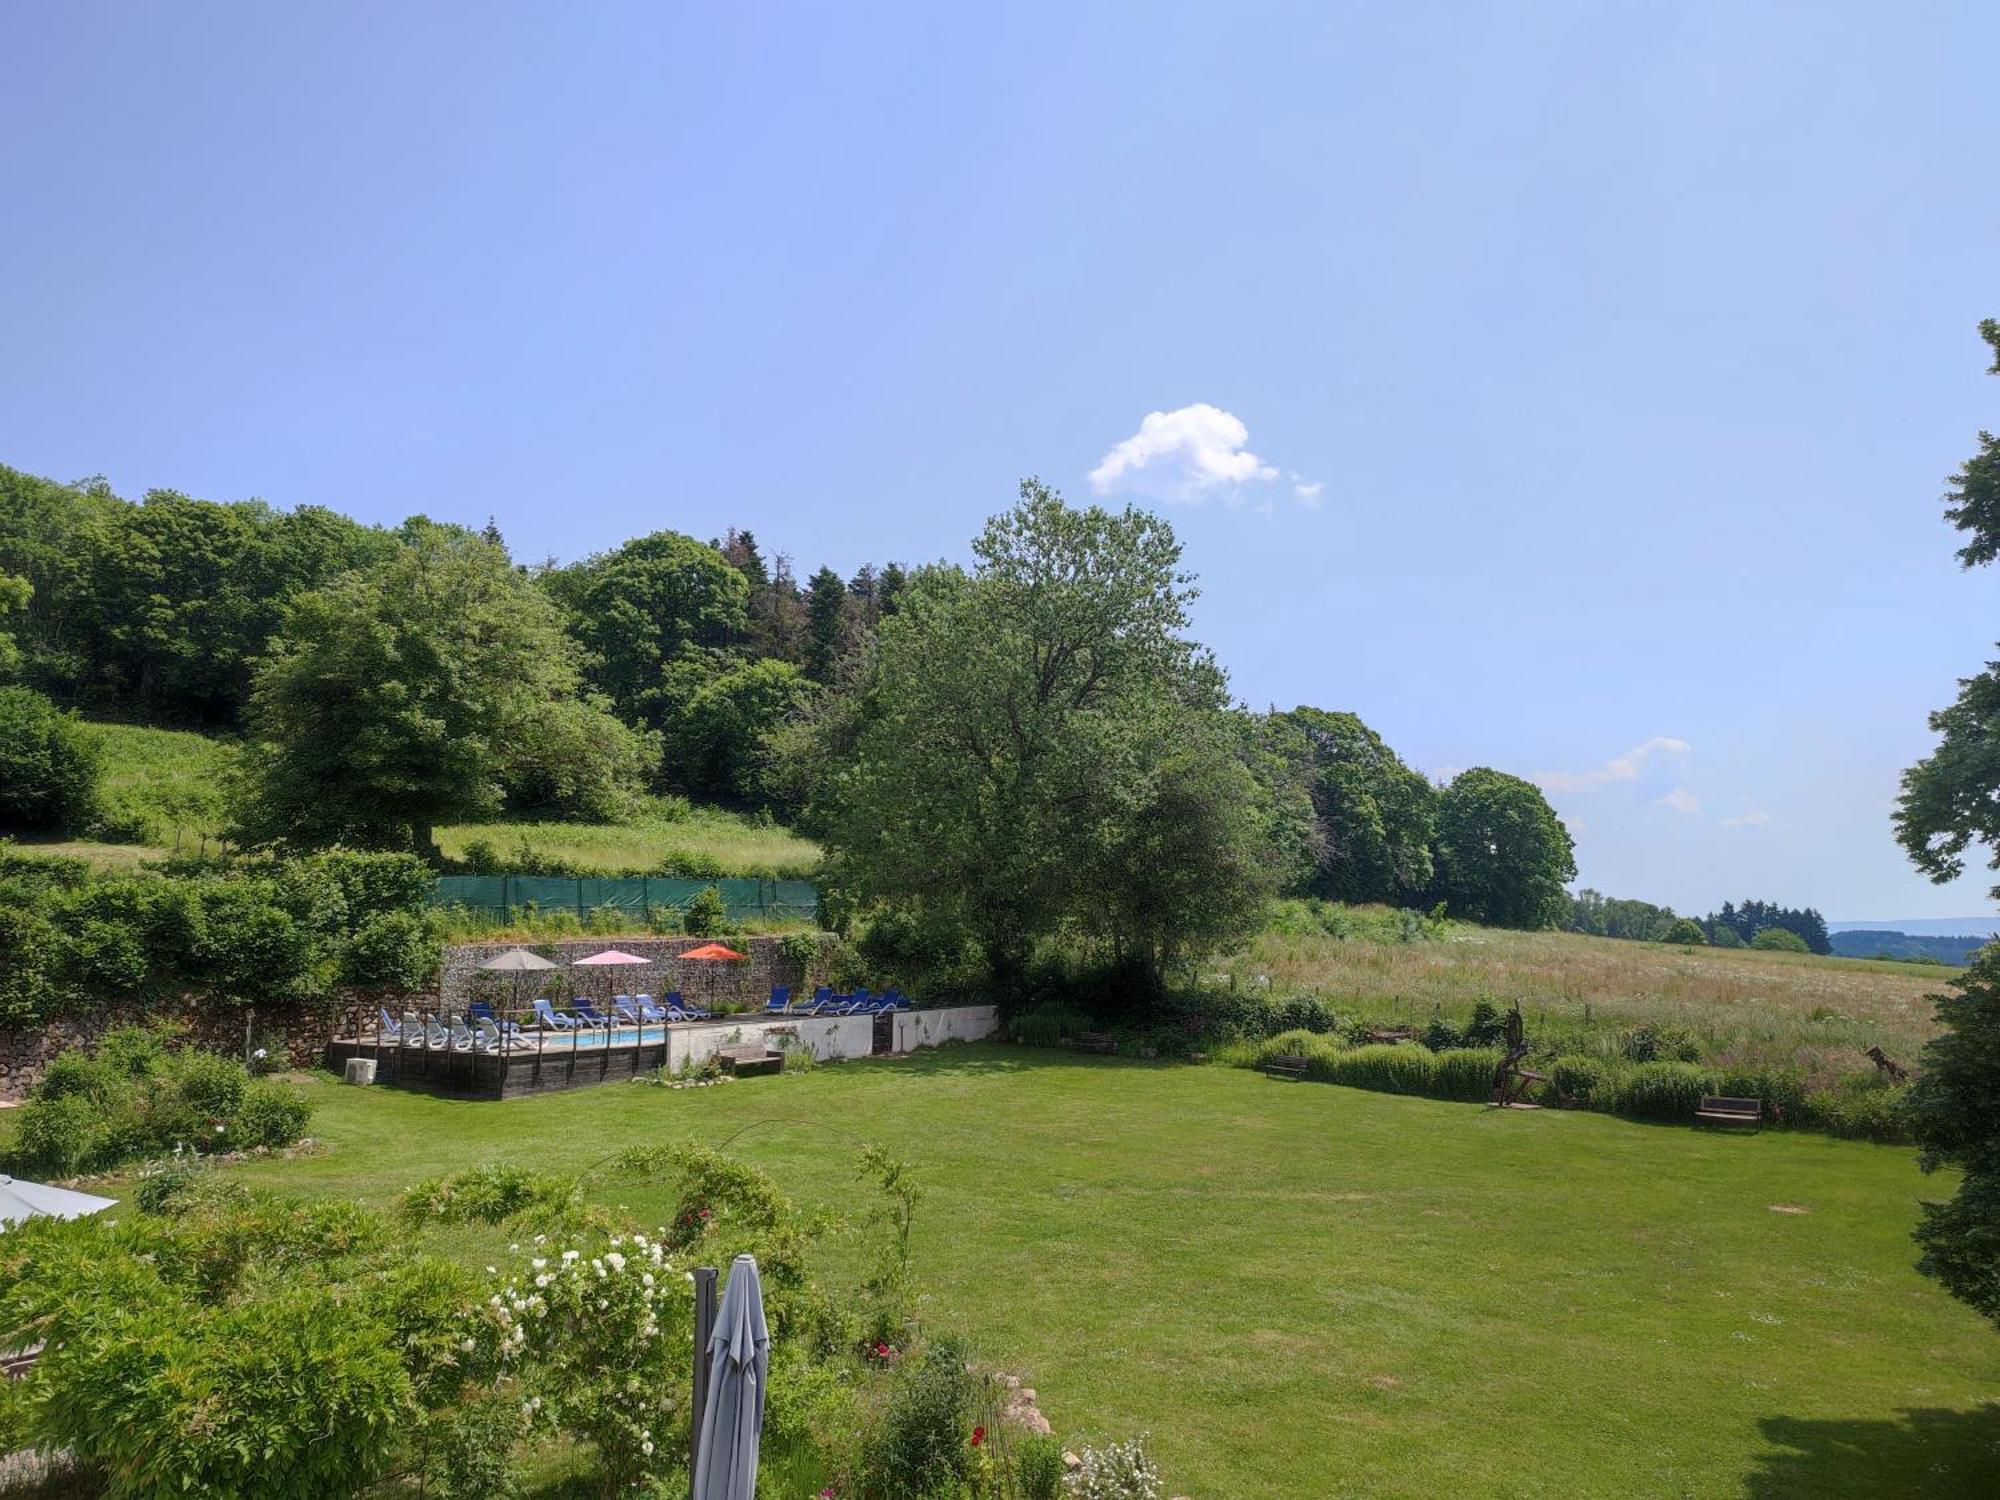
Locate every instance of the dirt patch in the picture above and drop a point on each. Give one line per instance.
(1787, 1208)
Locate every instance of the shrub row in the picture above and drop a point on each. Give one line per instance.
(1655, 1090)
(261, 932)
(142, 1096)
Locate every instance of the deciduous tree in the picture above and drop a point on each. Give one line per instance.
(397, 699)
(1044, 752)
(1503, 854)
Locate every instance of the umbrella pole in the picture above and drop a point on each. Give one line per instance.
(704, 1325)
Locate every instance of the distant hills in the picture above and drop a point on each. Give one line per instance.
(1953, 947)
(1926, 926)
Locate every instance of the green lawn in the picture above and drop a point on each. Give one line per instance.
(1305, 1291)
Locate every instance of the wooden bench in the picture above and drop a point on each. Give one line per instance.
(748, 1062)
(1393, 1037)
(1095, 1041)
(1718, 1109)
(1286, 1065)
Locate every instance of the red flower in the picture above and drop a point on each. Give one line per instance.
(978, 1436)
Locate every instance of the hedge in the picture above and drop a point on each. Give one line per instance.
(1669, 1091)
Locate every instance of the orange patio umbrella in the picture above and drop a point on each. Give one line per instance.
(710, 951)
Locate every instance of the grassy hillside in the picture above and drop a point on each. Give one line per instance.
(165, 792)
(1317, 1292)
(666, 833)
(1820, 1012)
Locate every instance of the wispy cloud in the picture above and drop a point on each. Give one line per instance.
(1624, 767)
(1190, 455)
(1682, 801)
(1750, 817)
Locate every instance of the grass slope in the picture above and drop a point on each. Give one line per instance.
(1821, 1012)
(165, 791)
(738, 844)
(1313, 1292)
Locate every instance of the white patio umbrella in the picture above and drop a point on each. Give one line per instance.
(518, 961)
(732, 1423)
(21, 1201)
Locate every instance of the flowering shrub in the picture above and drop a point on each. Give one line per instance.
(1118, 1471)
(598, 1340)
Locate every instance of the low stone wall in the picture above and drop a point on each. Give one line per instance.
(295, 1035)
(703, 982)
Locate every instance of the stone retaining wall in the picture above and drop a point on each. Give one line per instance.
(294, 1035)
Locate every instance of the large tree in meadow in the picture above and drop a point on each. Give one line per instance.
(1503, 855)
(1043, 751)
(411, 695)
(1951, 801)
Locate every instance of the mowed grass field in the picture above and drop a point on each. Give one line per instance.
(1302, 1291)
(1794, 1007)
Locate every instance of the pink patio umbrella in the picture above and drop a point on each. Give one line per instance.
(610, 958)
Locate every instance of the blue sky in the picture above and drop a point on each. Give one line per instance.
(1566, 388)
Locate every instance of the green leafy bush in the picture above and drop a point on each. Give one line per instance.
(51, 764)
(493, 1194)
(1047, 1025)
(707, 914)
(1465, 1073)
(1576, 1077)
(1779, 940)
(1865, 1113)
(140, 1096)
(396, 948)
(272, 1114)
(1685, 932)
(1663, 1091)
(921, 1447)
(1038, 1467)
(1384, 1069)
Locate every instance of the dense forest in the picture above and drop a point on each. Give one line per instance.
(387, 680)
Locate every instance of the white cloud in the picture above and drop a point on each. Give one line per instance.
(1751, 817)
(1624, 767)
(1188, 455)
(1682, 801)
(1308, 492)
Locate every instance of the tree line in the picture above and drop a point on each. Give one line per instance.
(1026, 749)
(1749, 924)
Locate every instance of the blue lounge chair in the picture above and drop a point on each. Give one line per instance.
(591, 1015)
(388, 1027)
(549, 1016)
(821, 995)
(893, 1000)
(834, 1005)
(780, 1002)
(650, 1013)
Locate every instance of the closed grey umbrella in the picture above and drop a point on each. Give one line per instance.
(739, 1367)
